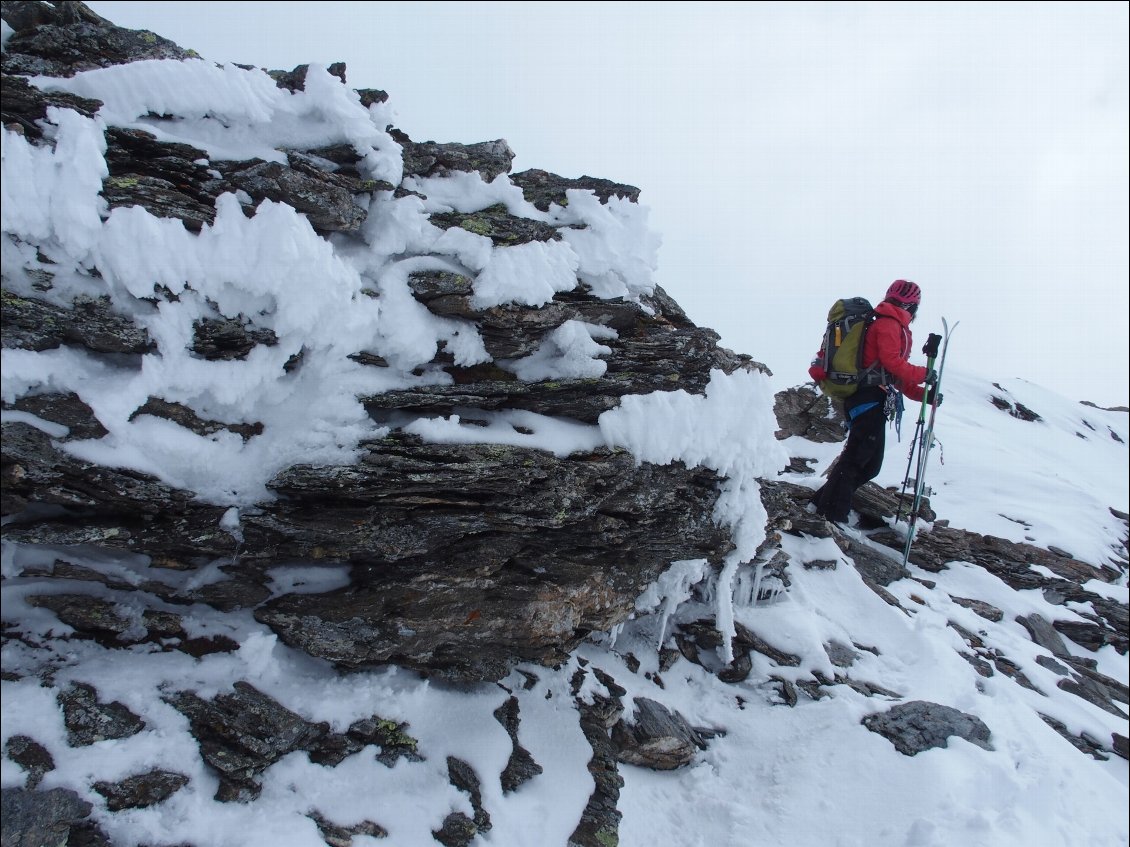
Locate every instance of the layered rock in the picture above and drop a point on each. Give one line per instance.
(461, 559)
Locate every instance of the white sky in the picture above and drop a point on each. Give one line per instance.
(790, 153)
(780, 775)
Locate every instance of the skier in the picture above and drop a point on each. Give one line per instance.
(887, 346)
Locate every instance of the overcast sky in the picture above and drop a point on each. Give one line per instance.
(790, 153)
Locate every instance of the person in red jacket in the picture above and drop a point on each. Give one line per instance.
(886, 353)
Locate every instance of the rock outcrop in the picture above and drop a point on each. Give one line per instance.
(486, 554)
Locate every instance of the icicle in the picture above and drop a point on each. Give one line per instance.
(724, 608)
(671, 589)
(758, 574)
(614, 634)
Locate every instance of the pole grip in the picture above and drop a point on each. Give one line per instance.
(930, 348)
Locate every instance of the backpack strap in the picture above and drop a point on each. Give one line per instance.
(875, 374)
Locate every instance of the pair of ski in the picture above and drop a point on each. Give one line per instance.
(923, 441)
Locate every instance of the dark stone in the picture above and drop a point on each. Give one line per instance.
(1111, 688)
(176, 181)
(463, 777)
(745, 637)
(184, 416)
(1014, 408)
(87, 614)
(798, 465)
(295, 80)
(983, 667)
(876, 566)
(24, 105)
(1083, 743)
(608, 707)
(867, 689)
(134, 151)
(985, 610)
(543, 188)
(657, 738)
(40, 818)
(787, 690)
(739, 669)
(703, 634)
(1011, 670)
(520, 766)
(876, 505)
(1090, 636)
(458, 830)
(326, 202)
(329, 172)
(427, 158)
(650, 359)
(88, 720)
(206, 645)
(160, 197)
(34, 470)
(141, 790)
(336, 835)
(600, 820)
(391, 737)
(341, 159)
(65, 409)
(478, 524)
(32, 324)
(225, 339)
(812, 688)
(242, 734)
(31, 756)
(840, 655)
(805, 412)
(443, 286)
(1092, 691)
(918, 725)
(1121, 745)
(371, 96)
(1044, 634)
(497, 224)
(64, 38)
(1052, 665)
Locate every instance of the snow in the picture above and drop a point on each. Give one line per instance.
(808, 775)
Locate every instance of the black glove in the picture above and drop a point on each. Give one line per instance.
(934, 397)
(930, 348)
(931, 377)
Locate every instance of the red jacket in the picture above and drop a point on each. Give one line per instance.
(889, 343)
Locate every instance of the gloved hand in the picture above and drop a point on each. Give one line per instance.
(931, 377)
(930, 348)
(817, 373)
(934, 395)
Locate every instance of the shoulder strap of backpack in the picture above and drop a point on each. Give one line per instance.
(876, 374)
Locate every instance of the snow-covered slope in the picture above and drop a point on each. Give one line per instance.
(785, 757)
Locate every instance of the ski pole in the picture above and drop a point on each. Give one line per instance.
(927, 440)
(930, 348)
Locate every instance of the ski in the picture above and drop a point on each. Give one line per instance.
(925, 444)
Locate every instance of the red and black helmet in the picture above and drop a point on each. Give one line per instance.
(904, 292)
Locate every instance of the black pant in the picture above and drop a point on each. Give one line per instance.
(862, 456)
